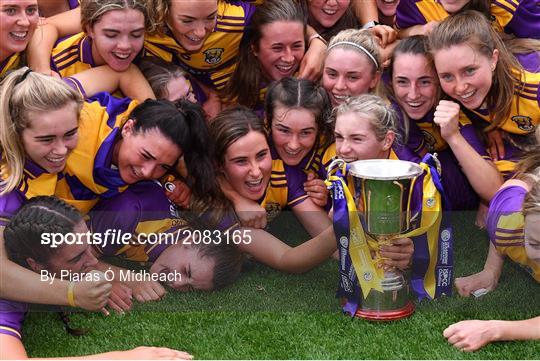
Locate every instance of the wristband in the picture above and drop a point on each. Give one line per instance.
(71, 295)
(317, 36)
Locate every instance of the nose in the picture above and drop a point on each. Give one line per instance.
(181, 284)
(123, 43)
(413, 92)
(23, 20)
(343, 147)
(461, 85)
(294, 143)
(255, 170)
(147, 170)
(200, 31)
(92, 260)
(340, 83)
(60, 148)
(287, 55)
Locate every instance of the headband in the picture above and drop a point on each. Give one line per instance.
(25, 74)
(354, 45)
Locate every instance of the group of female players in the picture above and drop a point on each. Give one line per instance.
(166, 117)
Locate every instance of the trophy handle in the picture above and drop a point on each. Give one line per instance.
(336, 163)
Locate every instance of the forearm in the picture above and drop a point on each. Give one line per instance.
(23, 285)
(39, 49)
(516, 330)
(494, 261)
(313, 218)
(134, 85)
(365, 11)
(481, 173)
(413, 30)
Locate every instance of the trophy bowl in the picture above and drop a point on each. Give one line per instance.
(382, 194)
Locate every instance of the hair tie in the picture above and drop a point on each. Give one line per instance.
(25, 74)
(358, 47)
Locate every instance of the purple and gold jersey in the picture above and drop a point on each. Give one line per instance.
(72, 55)
(73, 4)
(141, 210)
(505, 224)
(215, 62)
(530, 61)
(518, 17)
(11, 62)
(285, 189)
(12, 315)
(35, 182)
(318, 159)
(89, 173)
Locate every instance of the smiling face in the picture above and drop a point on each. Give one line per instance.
(465, 74)
(18, 20)
(192, 21)
(117, 38)
(196, 272)
(180, 88)
(144, 155)
(356, 139)
(280, 49)
(294, 132)
(327, 12)
(532, 236)
(387, 7)
(51, 136)
(453, 6)
(348, 73)
(415, 84)
(247, 165)
(75, 258)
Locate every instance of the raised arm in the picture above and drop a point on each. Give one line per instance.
(131, 82)
(39, 49)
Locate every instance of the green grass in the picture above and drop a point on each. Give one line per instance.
(272, 315)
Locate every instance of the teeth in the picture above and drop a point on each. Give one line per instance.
(285, 68)
(137, 175)
(329, 11)
(349, 160)
(55, 160)
(389, 1)
(19, 34)
(254, 183)
(122, 56)
(414, 104)
(195, 40)
(340, 97)
(468, 95)
(292, 153)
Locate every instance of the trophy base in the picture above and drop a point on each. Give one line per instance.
(386, 315)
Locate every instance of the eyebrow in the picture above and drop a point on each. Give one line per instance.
(77, 256)
(193, 18)
(42, 137)
(148, 154)
(118, 31)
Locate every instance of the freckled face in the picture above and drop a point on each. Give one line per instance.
(465, 74)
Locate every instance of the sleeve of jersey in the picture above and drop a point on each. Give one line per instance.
(12, 318)
(521, 18)
(75, 84)
(114, 221)
(295, 186)
(505, 219)
(408, 14)
(9, 204)
(469, 133)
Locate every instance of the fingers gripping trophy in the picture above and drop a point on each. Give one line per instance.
(375, 202)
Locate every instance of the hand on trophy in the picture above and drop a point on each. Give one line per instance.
(398, 254)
